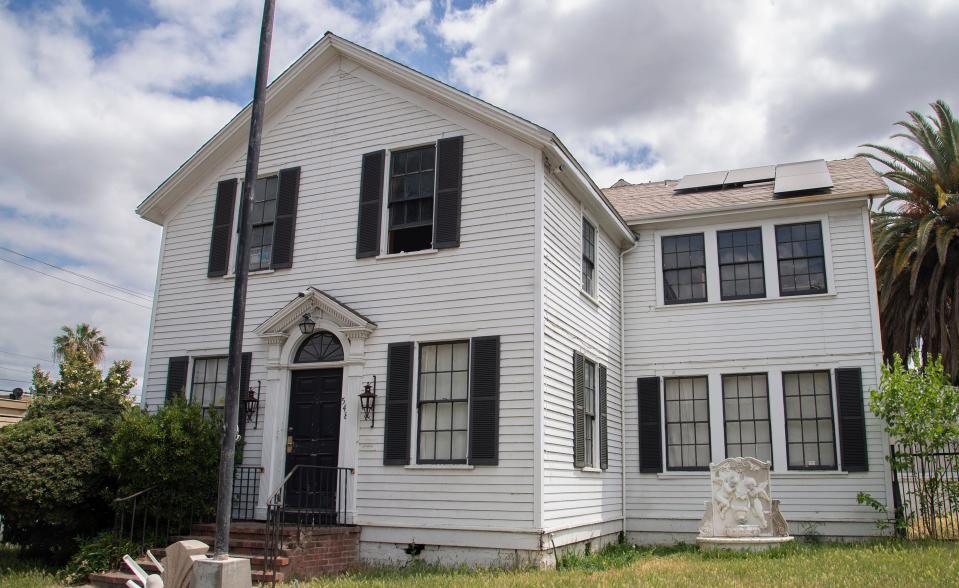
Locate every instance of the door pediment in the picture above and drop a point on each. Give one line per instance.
(319, 305)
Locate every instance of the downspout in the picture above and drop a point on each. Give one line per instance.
(622, 379)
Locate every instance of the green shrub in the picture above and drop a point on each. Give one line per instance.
(55, 479)
(176, 451)
(98, 554)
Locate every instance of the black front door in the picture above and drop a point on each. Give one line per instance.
(313, 439)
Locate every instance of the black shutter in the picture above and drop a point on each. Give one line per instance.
(484, 401)
(603, 441)
(222, 229)
(579, 417)
(399, 396)
(852, 420)
(449, 191)
(650, 427)
(284, 226)
(371, 203)
(176, 375)
(245, 363)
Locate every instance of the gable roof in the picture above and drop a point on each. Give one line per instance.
(657, 200)
(286, 86)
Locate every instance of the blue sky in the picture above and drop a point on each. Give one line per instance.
(110, 96)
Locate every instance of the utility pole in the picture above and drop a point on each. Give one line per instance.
(224, 501)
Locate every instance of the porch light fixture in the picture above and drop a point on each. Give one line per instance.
(307, 325)
(368, 401)
(252, 402)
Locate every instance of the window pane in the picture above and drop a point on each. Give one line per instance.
(740, 263)
(461, 358)
(428, 417)
(444, 442)
(444, 359)
(443, 385)
(427, 387)
(684, 269)
(746, 418)
(801, 259)
(459, 445)
(444, 416)
(427, 444)
(460, 415)
(460, 385)
(809, 420)
(428, 358)
(687, 423)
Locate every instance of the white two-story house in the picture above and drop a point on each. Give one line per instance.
(553, 364)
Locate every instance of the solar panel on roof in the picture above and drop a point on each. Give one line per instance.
(802, 176)
(750, 174)
(706, 180)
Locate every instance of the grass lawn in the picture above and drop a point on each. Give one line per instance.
(18, 574)
(884, 564)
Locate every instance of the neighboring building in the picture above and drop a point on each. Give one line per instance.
(12, 411)
(554, 363)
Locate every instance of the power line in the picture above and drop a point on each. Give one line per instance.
(26, 267)
(15, 380)
(146, 297)
(48, 360)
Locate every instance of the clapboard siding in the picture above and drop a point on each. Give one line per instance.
(483, 287)
(572, 322)
(819, 332)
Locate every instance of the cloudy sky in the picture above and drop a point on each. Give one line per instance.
(105, 98)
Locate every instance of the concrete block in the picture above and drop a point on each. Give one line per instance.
(232, 572)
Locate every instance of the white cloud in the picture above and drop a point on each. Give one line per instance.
(706, 85)
(88, 133)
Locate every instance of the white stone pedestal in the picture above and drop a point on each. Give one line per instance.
(232, 572)
(753, 544)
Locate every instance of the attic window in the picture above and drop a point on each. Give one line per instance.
(412, 181)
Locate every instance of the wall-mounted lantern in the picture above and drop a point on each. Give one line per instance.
(252, 404)
(368, 401)
(307, 325)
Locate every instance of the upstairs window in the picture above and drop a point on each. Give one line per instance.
(684, 269)
(263, 215)
(741, 264)
(802, 263)
(589, 257)
(412, 183)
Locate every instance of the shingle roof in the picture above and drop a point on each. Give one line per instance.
(634, 202)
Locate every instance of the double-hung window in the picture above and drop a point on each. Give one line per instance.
(208, 387)
(443, 402)
(589, 258)
(263, 217)
(412, 183)
(684, 269)
(741, 264)
(746, 416)
(802, 261)
(810, 441)
(589, 411)
(687, 423)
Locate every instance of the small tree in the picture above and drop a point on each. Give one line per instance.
(920, 408)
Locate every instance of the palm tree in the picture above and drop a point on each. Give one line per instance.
(84, 338)
(916, 237)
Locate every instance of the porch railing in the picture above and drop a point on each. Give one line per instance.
(309, 496)
(151, 517)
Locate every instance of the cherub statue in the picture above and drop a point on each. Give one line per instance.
(756, 493)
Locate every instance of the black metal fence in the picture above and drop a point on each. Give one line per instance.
(152, 517)
(925, 491)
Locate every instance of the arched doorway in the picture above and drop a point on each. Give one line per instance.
(313, 426)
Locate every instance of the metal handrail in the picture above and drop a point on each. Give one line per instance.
(278, 511)
(134, 495)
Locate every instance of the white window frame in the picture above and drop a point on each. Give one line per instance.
(770, 259)
(593, 460)
(591, 291)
